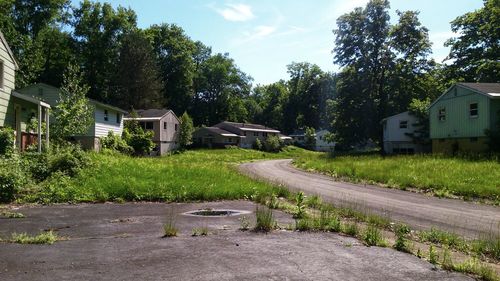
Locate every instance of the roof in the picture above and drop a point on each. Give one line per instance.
(491, 90)
(248, 127)
(151, 114)
(30, 99)
(284, 137)
(220, 131)
(107, 106)
(11, 54)
(395, 115)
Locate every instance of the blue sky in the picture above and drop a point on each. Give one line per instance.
(264, 36)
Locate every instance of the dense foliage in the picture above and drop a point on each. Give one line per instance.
(186, 131)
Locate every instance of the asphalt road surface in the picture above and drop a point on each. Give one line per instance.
(418, 210)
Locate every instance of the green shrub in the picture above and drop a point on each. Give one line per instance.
(402, 243)
(273, 144)
(140, 141)
(55, 189)
(351, 229)
(12, 179)
(257, 144)
(373, 237)
(301, 207)
(48, 237)
(36, 165)
(115, 142)
(7, 140)
(265, 220)
(68, 159)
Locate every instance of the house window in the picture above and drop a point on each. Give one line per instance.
(403, 124)
(442, 114)
(147, 125)
(473, 110)
(473, 139)
(229, 140)
(264, 135)
(118, 118)
(256, 134)
(106, 116)
(176, 127)
(164, 125)
(1, 74)
(245, 134)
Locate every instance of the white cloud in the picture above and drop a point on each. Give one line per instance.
(236, 12)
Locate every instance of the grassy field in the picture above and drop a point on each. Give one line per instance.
(440, 175)
(196, 175)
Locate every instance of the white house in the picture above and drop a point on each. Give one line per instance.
(298, 137)
(397, 134)
(106, 117)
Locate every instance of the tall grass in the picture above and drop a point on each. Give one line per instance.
(442, 175)
(198, 175)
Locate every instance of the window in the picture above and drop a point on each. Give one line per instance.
(403, 124)
(229, 140)
(147, 125)
(442, 114)
(176, 127)
(164, 125)
(473, 139)
(473, 110)
(1, 74)
(118, 118)
(245, 134)
(264, 135)
(106, 116)
(256, 134)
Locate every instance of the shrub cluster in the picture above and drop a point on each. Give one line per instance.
(116, 143)
(271, 144)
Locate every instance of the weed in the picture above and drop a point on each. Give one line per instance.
(244, 223)
(444, 238)
(274, 202)
(313, 202)
(301, 207)
(169, 229)
(473, 266)
(202, 231)
(304, 224)
(265, 220)
(489, 247)
(12, 215)
(419, 253)
(447, 262)
(433, 255)
(402, 242)
(351, 229)
(373, 237)
(48, 237)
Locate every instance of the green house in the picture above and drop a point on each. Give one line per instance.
(18, 111)
(461, 116)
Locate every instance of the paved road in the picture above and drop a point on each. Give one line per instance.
(418, 210)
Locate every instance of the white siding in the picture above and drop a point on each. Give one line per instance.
(102, 127)
(321, 144)
(393, 133)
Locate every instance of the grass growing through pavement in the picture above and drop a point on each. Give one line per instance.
(48, 237)
(264, 220)
(12, 215)
(441, 175)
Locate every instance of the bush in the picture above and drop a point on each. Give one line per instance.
(116, 143)
(257, 144)
(273, 144)
(36, 165)
(140, 141)
(69, 159)
(12, 179)
(265, 220)
(7, 140)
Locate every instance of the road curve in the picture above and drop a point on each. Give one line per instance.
(418, 210)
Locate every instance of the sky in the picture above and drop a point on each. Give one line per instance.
(264, 36)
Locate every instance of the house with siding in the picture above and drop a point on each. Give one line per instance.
(17, 110)
(232, 133)
(163, 123)
(460, 117)
(398, 131)
(106, 117)
(299, 138)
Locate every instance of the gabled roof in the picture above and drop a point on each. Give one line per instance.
(9, 51)
(248, 127)
(151, 114)
(105, 105)
(219, 131)
(491, 90)
(395, 115)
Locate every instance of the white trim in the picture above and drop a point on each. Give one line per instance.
(142, 118)
(229, 135)
(259, 130)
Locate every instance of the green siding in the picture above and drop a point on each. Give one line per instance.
(6, 107)
(495, 113)
(458, 124)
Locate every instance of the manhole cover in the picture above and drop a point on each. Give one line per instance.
(215, 213)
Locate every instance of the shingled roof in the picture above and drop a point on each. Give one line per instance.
(248, 126)
(491, 89)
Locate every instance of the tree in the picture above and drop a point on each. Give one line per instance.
(475, 53)
(98, 29)
(186, 131)
(310, 138)
(420, 109)
(73, 114)
(174, 51)
(138, 82)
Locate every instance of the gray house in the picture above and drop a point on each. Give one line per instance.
(397, 130)
(231, 133)
(165, 126)
(106, 117)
